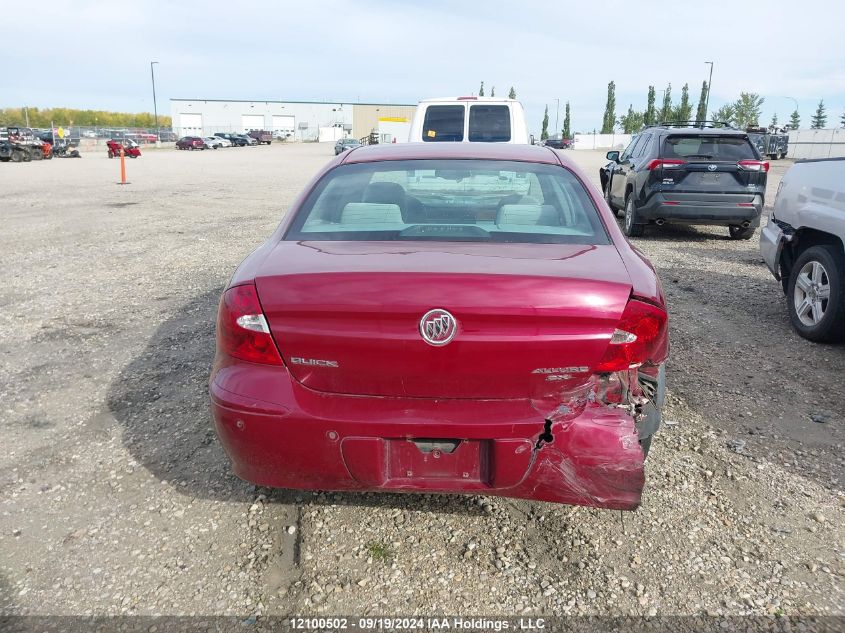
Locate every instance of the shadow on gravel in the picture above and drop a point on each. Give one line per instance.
(161, 400)
(681, 233)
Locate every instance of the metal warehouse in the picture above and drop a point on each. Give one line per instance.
(294, 120)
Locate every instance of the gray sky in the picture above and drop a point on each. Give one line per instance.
(399, 51)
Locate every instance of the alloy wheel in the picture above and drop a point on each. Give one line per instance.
(812, 293)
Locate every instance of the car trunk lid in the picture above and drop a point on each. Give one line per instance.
(346, 315)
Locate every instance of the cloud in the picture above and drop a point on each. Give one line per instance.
(401, 51)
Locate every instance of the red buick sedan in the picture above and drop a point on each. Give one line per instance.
(450, 317)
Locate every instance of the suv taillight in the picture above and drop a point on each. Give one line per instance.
(242, 330)
(753, 165)
(640, 336)
(665, 163)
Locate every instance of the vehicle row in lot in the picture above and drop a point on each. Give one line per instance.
(218, 140)
(803, 247)
(705, 173)
(21, 144)
(444, 317)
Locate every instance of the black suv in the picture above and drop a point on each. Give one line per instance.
(694, 173)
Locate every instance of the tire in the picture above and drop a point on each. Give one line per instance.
(36, 155)
(111, 154)
(631, 226)
(17, 156)
(782, 155)
(819, 270)
(739, 233)
(26, 156)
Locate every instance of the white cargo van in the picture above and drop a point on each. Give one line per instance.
(469, 120)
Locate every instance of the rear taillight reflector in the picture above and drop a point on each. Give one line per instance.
(640, 336)
(665, 163)
(242, 330)
(745, 204)
(671, 202)
(753, 165)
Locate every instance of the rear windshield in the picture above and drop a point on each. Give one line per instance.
(489, 123)
(450, 200)
(708, 147)
(443, 123)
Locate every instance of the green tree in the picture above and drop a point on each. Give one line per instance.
(842, 120)
(544, 133)
(701, 111)
(609, 120)
(650, 114)
(493, 91)
(747, 110)
(66, 117)
(567, 132)
(481, 90)
(774, 122)
(683, 111)
(820, 117)
(725, 114)
(512, 93)
(666, 109)
(632, 122)
(794, 120)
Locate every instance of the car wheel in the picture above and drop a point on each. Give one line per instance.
(738, 232)
(816, 294)
(632, 227)
(17, 156)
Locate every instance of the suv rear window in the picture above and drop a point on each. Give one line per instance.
(450, 200)
(443, 124)
(489, 123)
(708, 147)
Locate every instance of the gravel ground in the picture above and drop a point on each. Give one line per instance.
(115, 497)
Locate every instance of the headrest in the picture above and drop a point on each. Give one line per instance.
(533, 214)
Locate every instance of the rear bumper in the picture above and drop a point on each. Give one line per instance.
(293, 437)
(707, 209)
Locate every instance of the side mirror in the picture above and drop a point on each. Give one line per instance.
(614, 156)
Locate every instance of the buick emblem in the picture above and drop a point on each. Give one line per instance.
(712, 167)
(438, 327)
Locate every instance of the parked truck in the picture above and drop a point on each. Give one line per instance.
(772, 142)
(262, 136)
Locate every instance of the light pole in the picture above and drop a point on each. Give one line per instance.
(557, 114)
(709, 86)
(155, 108)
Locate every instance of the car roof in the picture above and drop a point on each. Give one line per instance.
(455, 151)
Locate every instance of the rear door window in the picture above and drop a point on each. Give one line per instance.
(443, 123)
(489, 123)
(708, 147)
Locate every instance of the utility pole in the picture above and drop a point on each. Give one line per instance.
(155, 107)
(557, 113)
(26, 114)
(709, 88)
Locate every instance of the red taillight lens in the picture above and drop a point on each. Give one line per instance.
(242, 330)
(640, 336)
(753, 165)
(665, 163)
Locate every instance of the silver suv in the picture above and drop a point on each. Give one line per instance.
(803, 247)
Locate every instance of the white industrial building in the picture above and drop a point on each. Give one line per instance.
(295, 120)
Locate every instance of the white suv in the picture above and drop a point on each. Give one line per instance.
(803, 247)
(469, 120)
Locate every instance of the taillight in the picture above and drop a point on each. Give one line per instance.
(242, 330)
(753, 165)
(640, 336)
(665, 163)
